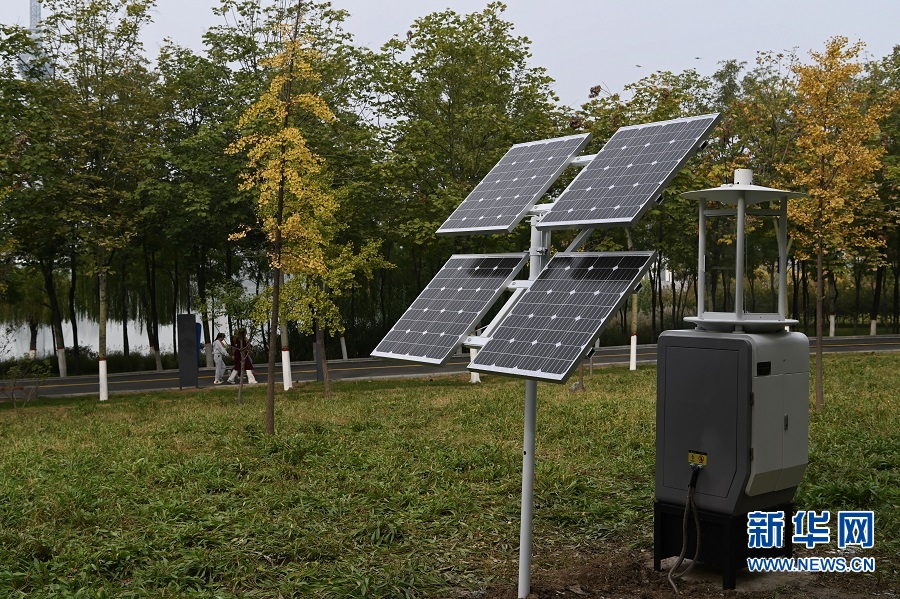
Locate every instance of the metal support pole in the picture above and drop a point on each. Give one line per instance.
(540, 242)
(701, 262)
(782, 261)
(739, 263)
(527, 514)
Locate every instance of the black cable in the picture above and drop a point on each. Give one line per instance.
(688, 507)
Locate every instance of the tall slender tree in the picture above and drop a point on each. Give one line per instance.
(40, 165)
(97, 50)
(837, 156)
(292, 201)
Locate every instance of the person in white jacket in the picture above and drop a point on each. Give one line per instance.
(219, 353)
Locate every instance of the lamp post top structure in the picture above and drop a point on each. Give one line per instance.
(741, 194)
(743, 187)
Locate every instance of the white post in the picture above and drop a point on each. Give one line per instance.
(286, 377)
(104, 380)
(831, 323)
(474, 377)
(632, 364)
(344, 348)
(61, 360)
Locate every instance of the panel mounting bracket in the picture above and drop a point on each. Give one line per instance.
(476, 341)
(582, 160)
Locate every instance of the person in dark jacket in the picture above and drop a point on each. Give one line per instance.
(240, 348)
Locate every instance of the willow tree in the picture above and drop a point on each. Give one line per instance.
(294, 206)
(835, 163)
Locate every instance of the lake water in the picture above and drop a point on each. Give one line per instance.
(89, 336)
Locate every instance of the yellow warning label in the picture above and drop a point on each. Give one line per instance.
(697, 458)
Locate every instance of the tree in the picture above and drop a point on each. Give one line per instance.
(293, 203)
(660, 96)
(199, 199)
(96, 49)
(836, 161)
(884, 80)
(457, 91)
(39, 165)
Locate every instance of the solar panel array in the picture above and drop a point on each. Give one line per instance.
(512, 187)
(631, 170)
(453, 302)
(547, 333)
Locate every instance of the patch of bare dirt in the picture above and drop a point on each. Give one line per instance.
(631, 575)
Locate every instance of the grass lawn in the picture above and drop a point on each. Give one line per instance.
(390, 488)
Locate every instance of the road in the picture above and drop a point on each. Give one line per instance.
(370, 368)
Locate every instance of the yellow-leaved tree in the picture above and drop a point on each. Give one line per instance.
(297, 205)
(837, 156)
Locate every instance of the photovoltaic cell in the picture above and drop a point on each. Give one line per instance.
(547, 333)
(631, 170)
(455, 300)
(508, 192)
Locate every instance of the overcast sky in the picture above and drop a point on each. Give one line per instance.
(589, 42)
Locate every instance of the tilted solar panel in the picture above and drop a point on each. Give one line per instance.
(547, 333)
(632, 170)
(455, 300)
(512, 187)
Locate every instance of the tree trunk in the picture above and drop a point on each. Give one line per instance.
(320, 353)
(726, 290)
(832, 303)
(273, 326)
(229, 272)
(773, 287)
(804, 272)
(653, 277)
(820, 308)
(751, 284)
(73, 316)
(286, 377)
(125, 349)
(674, 302)
(55, 315)
(896, 303)
(876, 300)
(204, 306)
(417, 267)
(153, 313)
(175, 278)
(101, 349)
(795, 292)
(32, 341)
(662, 303)
(896, 272)
(857, 304)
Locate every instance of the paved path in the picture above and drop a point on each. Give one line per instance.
(371, 368)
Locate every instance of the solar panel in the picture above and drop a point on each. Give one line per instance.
(508, 192)
(631, 170)
(547, 333)
(453, 302)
